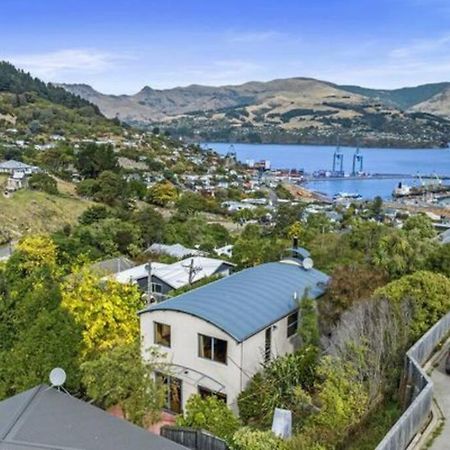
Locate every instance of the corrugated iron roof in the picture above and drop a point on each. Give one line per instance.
(249, 301)
(44, 418)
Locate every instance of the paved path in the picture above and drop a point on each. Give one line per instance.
(5, 252)
(441, 382)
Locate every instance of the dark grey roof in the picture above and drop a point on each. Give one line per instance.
(249, 301)
(44, 418)
(112, 265)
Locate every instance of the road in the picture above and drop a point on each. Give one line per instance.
(441, 383)
(5, 251)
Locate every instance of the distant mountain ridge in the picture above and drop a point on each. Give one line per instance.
(404, 98)
(292, 110)
(175, 99)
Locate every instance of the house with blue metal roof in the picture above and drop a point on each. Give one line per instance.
(217, 337)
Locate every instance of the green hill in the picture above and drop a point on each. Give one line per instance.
(403, 98)
(35, 108)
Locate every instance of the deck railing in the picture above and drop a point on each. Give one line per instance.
(417, 389)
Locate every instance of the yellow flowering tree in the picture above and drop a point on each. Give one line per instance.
(35, 251)
(105, 310)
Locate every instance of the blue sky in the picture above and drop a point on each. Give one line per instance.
(119, 46)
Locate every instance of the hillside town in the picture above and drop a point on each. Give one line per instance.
(224, 225)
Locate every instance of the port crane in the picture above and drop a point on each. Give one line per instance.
(338, 161)
(357, 162)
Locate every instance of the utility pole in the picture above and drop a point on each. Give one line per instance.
(192, 271)
(148, 267)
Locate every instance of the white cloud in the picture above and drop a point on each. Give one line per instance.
(62, 63)
(252, 37)
(423, 47)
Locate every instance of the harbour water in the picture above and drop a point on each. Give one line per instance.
(376, 160)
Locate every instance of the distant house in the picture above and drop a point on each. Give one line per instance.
(175, 250)
(167, 277)
(112, 266)
(233, 206)
(45, 418)
(11, 166)
(217, 336)
(226, 250)
(16, 181)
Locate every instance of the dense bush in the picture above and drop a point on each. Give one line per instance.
(43, 182)
(429, 294)
(249, 439)
(210, 414)
(277, 386)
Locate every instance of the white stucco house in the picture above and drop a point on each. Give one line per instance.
(216, 337)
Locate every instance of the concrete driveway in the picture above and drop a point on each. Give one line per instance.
(441, 382)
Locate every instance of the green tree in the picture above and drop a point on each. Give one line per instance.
(120, 376)
(308, 329)
(340, 402)
(162, 193)
(87, 188)
(429, 294)
(209, 414)
(106, 311)
(421, 225)
(278, 385)
(151, 225)
(111, 188)
(36, 333)
(376, 206)
(92, 159)
(94, 214)
(43, 182)
(348, 284)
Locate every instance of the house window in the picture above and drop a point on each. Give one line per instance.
(157, 288)
(292, 324)
(212, 348)
(268, 344)
(173, 391)
(162, 334)
(205, 392)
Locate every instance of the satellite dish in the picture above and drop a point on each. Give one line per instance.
(308, 263)
(57, 377)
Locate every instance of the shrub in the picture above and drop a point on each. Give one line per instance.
(210, 414)
(279, 385)
(248, 439)
(429, 294)
(43, 182)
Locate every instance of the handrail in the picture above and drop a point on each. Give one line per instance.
(418, 389)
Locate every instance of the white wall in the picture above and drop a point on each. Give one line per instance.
(243, 360)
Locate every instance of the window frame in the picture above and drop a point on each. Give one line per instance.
(206, 392)
(213, 346)
(292, 326)
(170, 383)
(155, 334)
(157, 285)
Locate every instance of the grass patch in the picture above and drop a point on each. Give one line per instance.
(27, 211)
(374, 428)
(436, 432)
